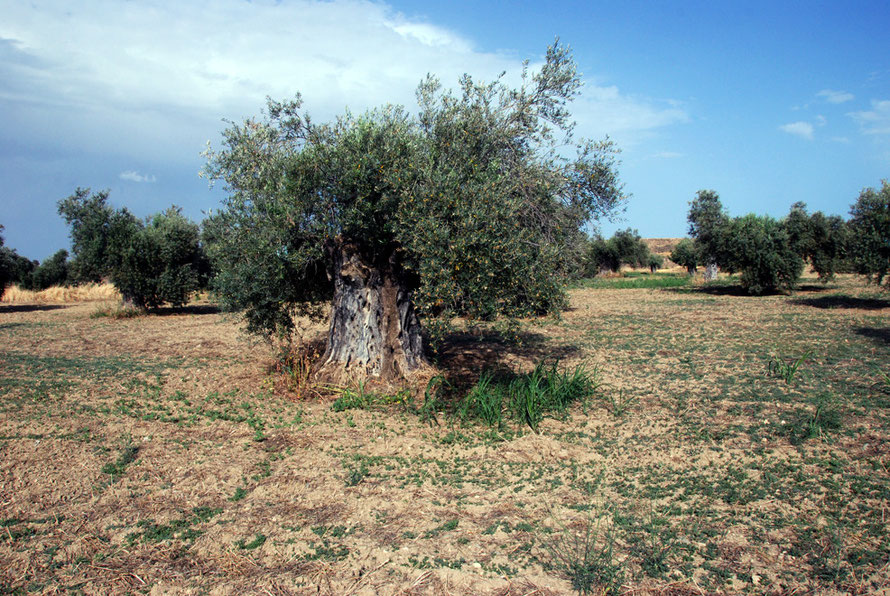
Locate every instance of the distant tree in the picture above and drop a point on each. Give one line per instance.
(625, 247)
(153, 262)
(602, 256)
(685, 254)
(7, 265)
(51, 272)
(708, 223)
(466, 208)
(158, 262)
(14, 268)
(870, 233)
(656, 262)
(90, 220)
(819, 239)
(632, 251)
(759, 247)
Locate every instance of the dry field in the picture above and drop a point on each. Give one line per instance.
(735, 445)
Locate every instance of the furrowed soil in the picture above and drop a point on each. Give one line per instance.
(735, 444)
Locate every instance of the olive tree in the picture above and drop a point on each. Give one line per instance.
(759, 247)
(870, 233)
(685, 254)
(156, 261)
(708, 223)
(820, 239)
(465, 207)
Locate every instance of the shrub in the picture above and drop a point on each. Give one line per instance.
(759, 247)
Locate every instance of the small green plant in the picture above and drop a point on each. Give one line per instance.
(126, 457)
(258, 541)
(240, 493)
(432, 399)
(356, 474)
(620, 404)
(585, 556)
(824, 417)
(361, 399)
(786, 367)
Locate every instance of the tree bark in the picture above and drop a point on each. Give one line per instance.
(374, 330)
(711, 272)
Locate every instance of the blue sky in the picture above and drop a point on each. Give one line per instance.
(767, 103)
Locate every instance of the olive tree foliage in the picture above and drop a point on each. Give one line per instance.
(625, 247)
(467, 207)
(14, 268)
(708, 223)
(156, 261)
(7, 264)
(159, 261)
(91, 221)
(869, 233)
(51, 272)
(686, 254)
(758, 246)
(819, 239)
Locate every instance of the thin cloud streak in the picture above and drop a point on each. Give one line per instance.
(803, 130)
(832, 96)
(134, 176)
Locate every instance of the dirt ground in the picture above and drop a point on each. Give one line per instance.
(735, 445)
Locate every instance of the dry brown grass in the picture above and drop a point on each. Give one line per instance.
(376, 501)
(61, 294)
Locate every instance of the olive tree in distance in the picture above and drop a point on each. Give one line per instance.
(869, 236)
(464, 208)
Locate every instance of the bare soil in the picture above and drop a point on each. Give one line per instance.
(173, 454)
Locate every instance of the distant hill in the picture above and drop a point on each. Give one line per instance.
(661, 246)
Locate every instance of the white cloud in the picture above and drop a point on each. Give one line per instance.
(800, 129)
(821, 120)
(832, 96)
(875, 121)
(134, 176)
(170, 71)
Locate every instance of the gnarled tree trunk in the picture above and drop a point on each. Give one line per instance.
(374, 331)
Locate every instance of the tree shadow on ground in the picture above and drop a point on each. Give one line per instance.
(713, 290)
(831, 302)
(195, 309)
(879, 335)
(13, 308)
(464, 356)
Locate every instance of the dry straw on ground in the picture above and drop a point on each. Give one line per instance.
(165, 454)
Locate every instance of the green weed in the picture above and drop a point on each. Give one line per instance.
(585, 557)
(786, 367)
(126, 457)
(527, 398)
(258, 541)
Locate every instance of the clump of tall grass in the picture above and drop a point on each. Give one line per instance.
(527, 398)
(61, 294)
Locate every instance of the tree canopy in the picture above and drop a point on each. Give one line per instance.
(870, 233)
(467, 207)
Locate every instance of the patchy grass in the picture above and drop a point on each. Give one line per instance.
(691, 440)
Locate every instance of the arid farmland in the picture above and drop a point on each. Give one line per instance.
(733, 444)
